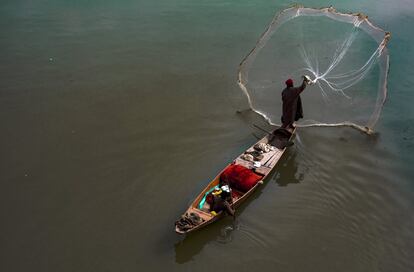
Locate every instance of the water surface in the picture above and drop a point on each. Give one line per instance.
(115, 114)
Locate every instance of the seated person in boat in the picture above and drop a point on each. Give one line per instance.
(292, 104)
(221, 201)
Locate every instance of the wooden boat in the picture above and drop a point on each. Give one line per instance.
(270, 159)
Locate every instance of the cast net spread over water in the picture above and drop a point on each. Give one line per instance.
(344, 54)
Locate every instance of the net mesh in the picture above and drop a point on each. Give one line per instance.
(344, 54)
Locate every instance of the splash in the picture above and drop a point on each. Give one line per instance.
(345, 55)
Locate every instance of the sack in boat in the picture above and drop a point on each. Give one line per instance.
(240, 177)
(247, 157)
(265, 148)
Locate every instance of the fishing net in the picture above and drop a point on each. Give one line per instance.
(344, 54)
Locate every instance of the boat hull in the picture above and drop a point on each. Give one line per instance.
(269, 163)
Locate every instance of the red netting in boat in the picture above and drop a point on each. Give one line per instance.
(239, 177)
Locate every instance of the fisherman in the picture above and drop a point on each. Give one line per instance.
(292, 104)
(222, 201)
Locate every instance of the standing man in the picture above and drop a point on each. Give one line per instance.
(292, 104)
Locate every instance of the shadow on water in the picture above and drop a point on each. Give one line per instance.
(222, 231)
(287, 170)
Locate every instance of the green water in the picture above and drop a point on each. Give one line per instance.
(115, 114)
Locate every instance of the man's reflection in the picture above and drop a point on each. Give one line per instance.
(287, 170)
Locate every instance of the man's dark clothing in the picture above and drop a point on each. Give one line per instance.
(221, 203)
(292, 104)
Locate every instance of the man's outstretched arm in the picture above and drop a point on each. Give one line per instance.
(301, 88)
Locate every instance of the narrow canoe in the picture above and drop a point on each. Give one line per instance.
(267, 164)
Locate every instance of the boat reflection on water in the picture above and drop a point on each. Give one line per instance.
(221, 231)
(287, 172)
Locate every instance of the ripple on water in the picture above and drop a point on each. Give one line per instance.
(349, 186)
(254, 236)
(345, 203)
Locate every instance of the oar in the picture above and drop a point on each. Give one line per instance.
(257, 137)
(262, 129)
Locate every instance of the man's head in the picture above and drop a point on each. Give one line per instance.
(289, 82)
